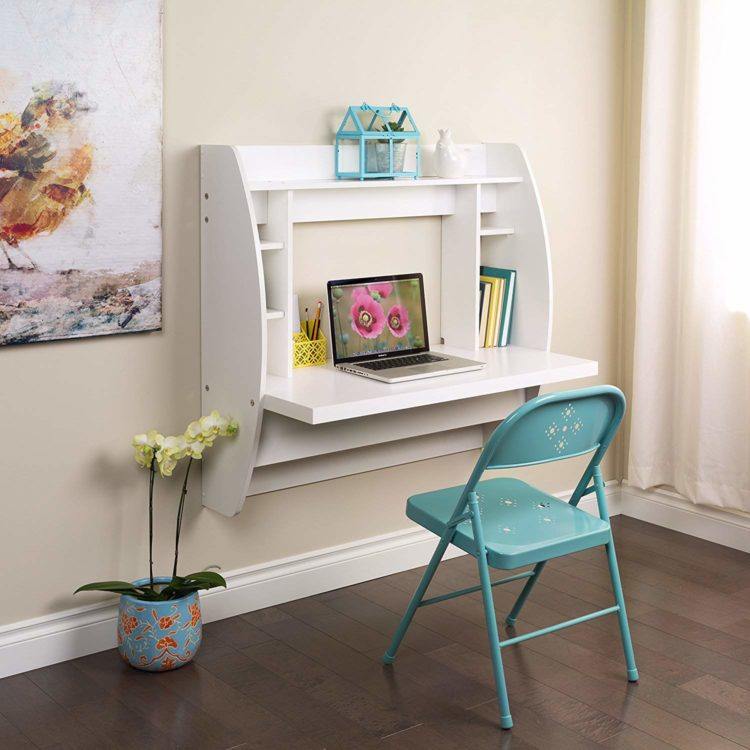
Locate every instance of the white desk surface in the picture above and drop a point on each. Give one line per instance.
(317, 395)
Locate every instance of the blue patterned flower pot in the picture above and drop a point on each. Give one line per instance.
(159, 636)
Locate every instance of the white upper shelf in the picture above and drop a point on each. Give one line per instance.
(307, 172)
(317, 395)
(333, 184)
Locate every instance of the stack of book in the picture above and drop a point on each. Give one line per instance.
(497, 288)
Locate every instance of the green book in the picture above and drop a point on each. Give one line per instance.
(506, 304)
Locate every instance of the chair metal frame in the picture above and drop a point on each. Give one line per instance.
(467, 508)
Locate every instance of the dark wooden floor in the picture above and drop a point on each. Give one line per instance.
(307, 674)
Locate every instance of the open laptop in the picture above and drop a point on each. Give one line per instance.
(379, 330)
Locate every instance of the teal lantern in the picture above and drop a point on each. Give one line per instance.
(376, 140)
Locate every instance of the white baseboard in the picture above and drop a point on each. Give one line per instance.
(668, 509)
(36, 643)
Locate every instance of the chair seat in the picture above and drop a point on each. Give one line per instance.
(522, 525)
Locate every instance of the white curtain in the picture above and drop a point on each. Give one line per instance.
(690, 407)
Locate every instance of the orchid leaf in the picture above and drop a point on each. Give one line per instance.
(116, 587)
(207, 576)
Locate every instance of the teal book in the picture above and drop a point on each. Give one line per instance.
(506, 304)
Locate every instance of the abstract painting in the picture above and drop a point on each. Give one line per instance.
(80, 168)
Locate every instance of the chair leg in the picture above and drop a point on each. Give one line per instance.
(390, 655)
(506, 721)
(627, 644)
(513, 616)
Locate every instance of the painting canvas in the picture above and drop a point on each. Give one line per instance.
(80, 168)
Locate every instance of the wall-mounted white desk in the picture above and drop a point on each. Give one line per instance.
(299, 426)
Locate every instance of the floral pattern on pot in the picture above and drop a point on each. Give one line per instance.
(159, 636)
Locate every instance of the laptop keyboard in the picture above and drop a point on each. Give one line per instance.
(414, 359)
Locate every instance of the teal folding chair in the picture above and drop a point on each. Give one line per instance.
(506, 523)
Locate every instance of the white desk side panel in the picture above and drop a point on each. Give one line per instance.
(233, 329)
(459, 284)
(526, 250)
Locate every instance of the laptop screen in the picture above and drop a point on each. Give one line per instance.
(379, 316)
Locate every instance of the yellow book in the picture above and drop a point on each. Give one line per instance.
(499, 314)
(493, 321)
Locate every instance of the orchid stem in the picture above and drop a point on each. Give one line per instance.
(180, 509)
(151, 522)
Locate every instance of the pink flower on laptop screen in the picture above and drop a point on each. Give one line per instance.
(382, 289)
(368, 317)
(359, 291)
(398, 321)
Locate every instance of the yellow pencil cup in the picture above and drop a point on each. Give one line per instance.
(309, 353)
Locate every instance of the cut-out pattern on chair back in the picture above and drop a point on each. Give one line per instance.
(557, 426)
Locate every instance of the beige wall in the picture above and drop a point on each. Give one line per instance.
(545, 74)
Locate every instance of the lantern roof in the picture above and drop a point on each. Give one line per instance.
(364, 118)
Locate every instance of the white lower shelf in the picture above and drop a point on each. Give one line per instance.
(318, 395)
(495, 231)
(268, 245)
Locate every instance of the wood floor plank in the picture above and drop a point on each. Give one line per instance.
(540, 729)
(700, 610)
(12, 738)
(684, 546)
(433, 676)
(479, 732)
(673, 576)
(236, 711)
(384, 621)
(698, 633)
(236, 632)
(441, 679)
(588, 722)
(66, 684)
(398, 691)
(740, 628)
(722, 693)
(114, 722)
(612, 696)
(317, 719)
(671, 698)
(38, 717)
(148, 694)
(707, 638)
(338, 626)
(686, 573)
(633, 739)
(294, 705)
(421, 737)
(347, 698)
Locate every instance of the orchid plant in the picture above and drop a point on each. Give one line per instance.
(157, 453)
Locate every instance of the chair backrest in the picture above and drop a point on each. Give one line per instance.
(554, 427)
(557, 426)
